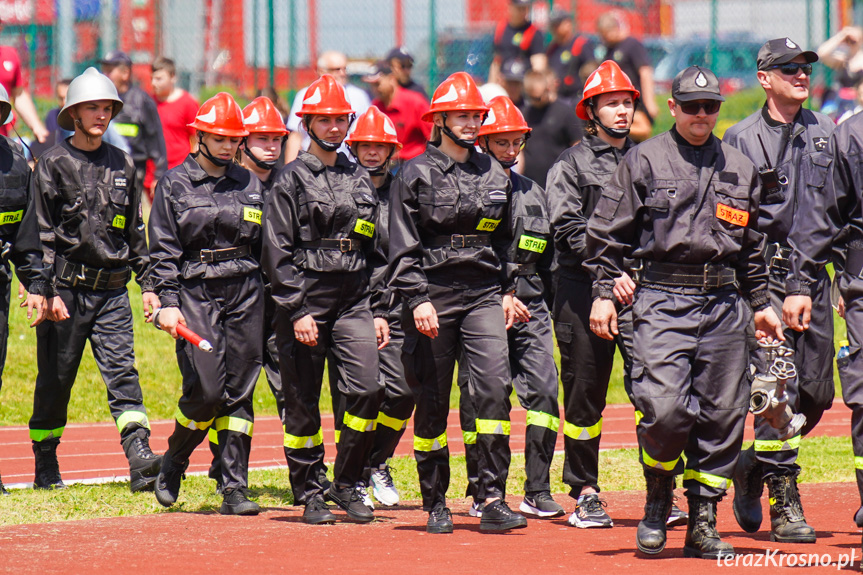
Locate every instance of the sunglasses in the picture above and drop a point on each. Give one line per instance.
(793, 68)
(692, 108)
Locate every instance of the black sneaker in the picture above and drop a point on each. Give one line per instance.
(317, 512)
(237, 502)
(589, 513)
(497, 516)
(540, 504)
(348, 499)
(440, 520)
(168, 482)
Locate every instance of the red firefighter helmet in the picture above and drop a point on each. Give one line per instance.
(220, 115)
(261, 116)
(458, 92)
(374, 126)
(605, 79)
(503, 117)
(325, 96)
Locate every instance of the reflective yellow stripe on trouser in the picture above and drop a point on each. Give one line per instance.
(304, 441)
(190, 423)
(469, 437)
(492, 426)
(706, 478)
(128, 417)
(638, 417)
(540, 419)
(858, 462)
(433, 444)
(582, 433)
(391, 422)
(777, 444)
(654, 464)
(43, 434)
(236, 424)
(359, 424)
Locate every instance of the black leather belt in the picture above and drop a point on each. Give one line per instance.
(526, 269)
(777, 257)
(707, 276)
(459, 241)
(222, 255)
(81, 276)
(340, 244)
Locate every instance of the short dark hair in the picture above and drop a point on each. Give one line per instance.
(64, 82)
(166, 64)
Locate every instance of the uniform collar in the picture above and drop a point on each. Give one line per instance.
(597, 144)
(681, 141)
(315, 165)
(197, 174)
(765, 114)
(443, 161)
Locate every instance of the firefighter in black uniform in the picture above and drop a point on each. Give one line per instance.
(88, 203)
(530, 340)
(833, 201)
(517, 39)
(321, 256)
(205, 233)
(680, 206)
(781, 139)
(449, 237)
(19, 237)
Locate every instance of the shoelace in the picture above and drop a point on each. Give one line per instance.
(593, 504)
(543, 496)
(386, 476)
(439, 513)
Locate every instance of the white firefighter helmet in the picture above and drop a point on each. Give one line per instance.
(91, 86)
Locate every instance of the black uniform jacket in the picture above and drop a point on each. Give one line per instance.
(139, 122)
(193, 211)
(309, 202)
(672, 202)
(89, 209)
(833, 200)
(532, 244)
(383, 298)
(433, 196)
(790, 148)
(575, 184)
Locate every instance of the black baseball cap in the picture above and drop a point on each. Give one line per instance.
(696, 83)
(521, 2)
(399, 53)
(558, 16)
(513, 70)
(781, 51)
(378, 69)
(116, 58)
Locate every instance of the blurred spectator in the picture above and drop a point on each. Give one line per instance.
(56, 134)
(402, 63)
(335, 64)
(570, 56)
(12, 79)
(276, 99)
(555, 126)
(177, 109)
(842, 53)
(138, 121)
(516, 38)
(635, 62)
(404, 107)
(858, 102)
(512, 80)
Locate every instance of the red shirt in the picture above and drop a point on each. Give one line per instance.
(405, 111)
(10, 77)
(175, 116)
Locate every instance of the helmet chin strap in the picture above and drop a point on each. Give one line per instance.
(325, 146)
(205, 151)
(261, 163)
(378, 170)
(466, 144)
(506, 164)
(615, 133)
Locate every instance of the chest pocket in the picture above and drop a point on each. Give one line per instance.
(533, 238)
(494, 205)
(364, 223)
(13, 200)
(437, 207)
(731, 208)
(250, 206)
(118, 207)
(195, 215)
(316, 213)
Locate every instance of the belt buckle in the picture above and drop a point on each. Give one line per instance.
(705, 283)
(778, 259)
(637, 271)
(455, 238)
(345, 245)
(206, 256)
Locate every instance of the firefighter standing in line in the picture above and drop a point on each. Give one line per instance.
(530, 340)
(680, 205)
(19, 237)
(781, 139)
(205, 233)
(449, 237)
(322, 257)
(88, 203)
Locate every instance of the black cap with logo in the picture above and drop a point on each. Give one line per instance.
(696, 83)
(781, 51)
(116, 58)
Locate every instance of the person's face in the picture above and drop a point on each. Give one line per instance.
(614, 109)
(518, 14)
(265, 146)
(463, 123)
(337, 67)
(506, 146)
(373, 154)
(563, 31)
(330, 127)
(93, 118)
(118, 74)
(695, 127)
(62, 90)
(786, 88)
(386, 85)
(536, 92)
(163, 83)
(514, 90)
(611, 36)
(222, 147)
(402, 70)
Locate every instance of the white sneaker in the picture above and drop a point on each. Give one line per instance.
(363, 492)
(476, 509)
(383, 488)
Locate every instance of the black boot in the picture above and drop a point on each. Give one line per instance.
(3, 489)
(650, 536)
(170, 478)
(748, 487)
(787, 523)
(47, 467)
(144, 465)
(702, 539)
(236, 502)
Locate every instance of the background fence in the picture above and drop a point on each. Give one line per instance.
(244, 45)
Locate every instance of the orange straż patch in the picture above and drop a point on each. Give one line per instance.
(732, 215)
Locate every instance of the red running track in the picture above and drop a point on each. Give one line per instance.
(92, 451)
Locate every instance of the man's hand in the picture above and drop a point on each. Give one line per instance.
(624, 289)
(169, 317)
(382, 331)
(57, 309)
(306, 330)
(22, 293)
(509, 313)
(603, 318)
(151, 304)
(793, 308)
(767, 325)
(37, 303)
(522, 314)
(425, 318)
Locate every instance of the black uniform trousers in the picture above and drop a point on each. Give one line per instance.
(690, 384)
(851, 369)
(586, 361)
(218, 386)
(346, 328)
(471, 327)
(531, 363)
(5, 294)
(812, 391)
(105, 319)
